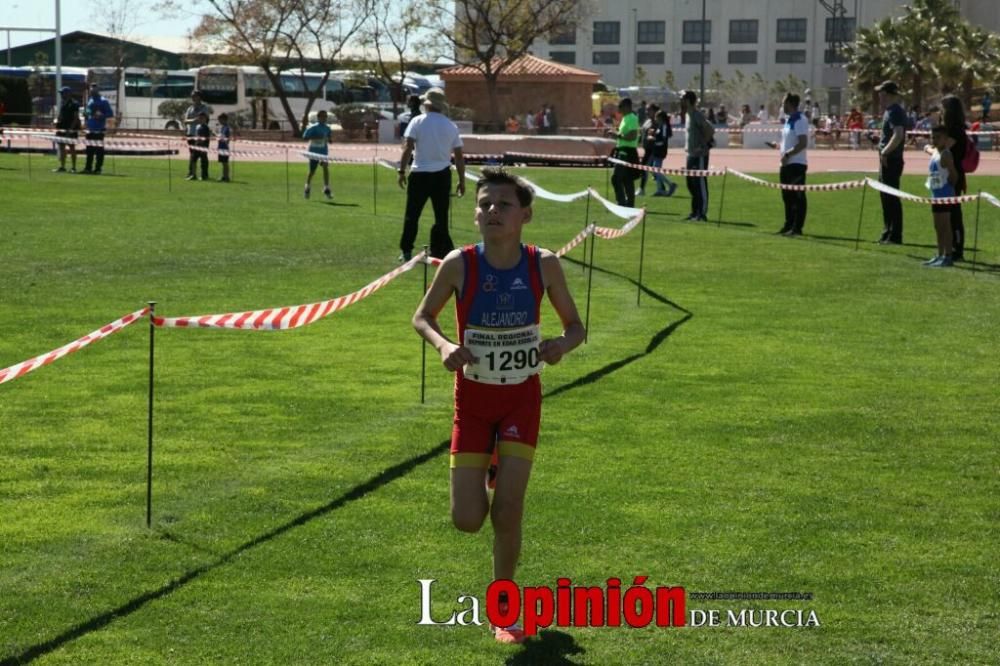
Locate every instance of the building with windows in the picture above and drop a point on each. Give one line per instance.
(772, 38)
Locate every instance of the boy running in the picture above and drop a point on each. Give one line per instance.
(319, 135)
(498, 286)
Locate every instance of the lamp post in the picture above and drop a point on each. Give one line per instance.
(702, 75)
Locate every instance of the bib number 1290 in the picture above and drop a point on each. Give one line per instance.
(506, 360)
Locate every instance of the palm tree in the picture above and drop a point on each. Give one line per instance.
(868, 62)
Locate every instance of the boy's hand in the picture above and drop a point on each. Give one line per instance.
(456, 357)
(460, 188)
(551, 351)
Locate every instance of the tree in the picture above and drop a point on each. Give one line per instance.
(282, 34)
(391, 31)
(489, 35)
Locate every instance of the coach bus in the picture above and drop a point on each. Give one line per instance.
(246, 91)
(136, 93)
(41, 82)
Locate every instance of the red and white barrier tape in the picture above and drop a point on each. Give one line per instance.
(823, 187)
(23, 368)
(565, 249)
(882, 187)
(289, 317)
(623, 212)
(697, 173)
(319, 157)
(608, 233)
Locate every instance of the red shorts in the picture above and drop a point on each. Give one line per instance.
(486, 414)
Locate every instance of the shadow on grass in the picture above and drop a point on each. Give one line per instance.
(338, 203)
(654, 342)
(100, 621)
(552, 648)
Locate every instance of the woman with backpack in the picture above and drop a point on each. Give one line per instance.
(953, 118)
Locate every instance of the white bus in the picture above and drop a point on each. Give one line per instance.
(137, 92)
(247, 91)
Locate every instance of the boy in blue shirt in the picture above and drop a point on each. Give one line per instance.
(97, 112)
(200, 144)
(319, 135)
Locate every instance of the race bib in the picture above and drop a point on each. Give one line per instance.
(504, 356)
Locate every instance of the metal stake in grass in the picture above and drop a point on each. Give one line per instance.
(29, 156)
(590, 281)
(170, 178)
(149, 436)
(975, 236)
(857, 237)
(288, 182)
(375, 184)
(586, 221)
(423, 344)
(642, 254)
(722, 197)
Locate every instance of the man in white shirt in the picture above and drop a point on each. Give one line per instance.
(431, 139)
(762, 114)
(794, 141)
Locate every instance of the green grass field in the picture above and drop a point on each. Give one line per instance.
(777, 415)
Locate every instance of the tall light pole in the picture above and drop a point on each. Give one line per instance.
(702, 75)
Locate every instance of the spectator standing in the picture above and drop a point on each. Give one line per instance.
(722, 117)
(746, 116)
(642, 113)
(431, 139)
(890, 149)
(941, 181)
(67, 128)
(794, 142)
(412, 111)
(953, 120)
(225, 134)
(529, 121)
(97, 112)
(626, 149)
(987, 105)
(855, 123)
(661, 138)
(646, 131)
(196, 108)
(762, 114)
(199, 148)
(698, 142)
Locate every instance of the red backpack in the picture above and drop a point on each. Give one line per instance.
(971, 160)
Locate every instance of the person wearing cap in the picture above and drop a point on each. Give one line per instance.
(196, 108)
(97, 112)
(697, 143)
(430, 140)
(67, 128)
(890, 171)
(626, 149)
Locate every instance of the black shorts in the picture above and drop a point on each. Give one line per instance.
(223, 159)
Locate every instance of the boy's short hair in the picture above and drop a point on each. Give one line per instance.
(223, 116)
(498, 176)
(792, 99)
(203, 114)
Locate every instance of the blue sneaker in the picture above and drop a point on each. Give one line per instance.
(943, 262)
(671, 188)
(931, 261)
